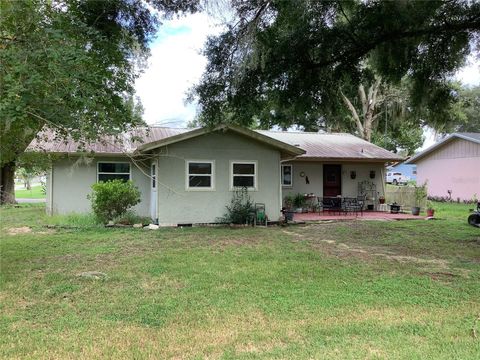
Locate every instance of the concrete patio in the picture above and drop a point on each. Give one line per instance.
(366, 215)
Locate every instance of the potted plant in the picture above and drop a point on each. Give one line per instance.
(420, 196)
(299, 202)
(381, 199)
(288, 207)
(430, 209)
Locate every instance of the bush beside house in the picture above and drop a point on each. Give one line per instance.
(112, 199)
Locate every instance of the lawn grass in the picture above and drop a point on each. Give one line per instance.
(36, 192)
(349, 290)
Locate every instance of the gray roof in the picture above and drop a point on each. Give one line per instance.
(332, 146)
(469, 136)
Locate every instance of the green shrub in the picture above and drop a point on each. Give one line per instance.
(112, 199)
(288, 201)
(240, 209)
(299, 200)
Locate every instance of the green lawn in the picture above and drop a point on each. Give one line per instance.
(350, 290)
(35, 193)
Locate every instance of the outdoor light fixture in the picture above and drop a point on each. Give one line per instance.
(353, 174)
(372, 174)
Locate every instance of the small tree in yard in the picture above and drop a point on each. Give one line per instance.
(240, 209)
(112, 199)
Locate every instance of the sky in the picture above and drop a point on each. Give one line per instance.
(176, 64)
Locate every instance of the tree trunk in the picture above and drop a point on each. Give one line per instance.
(7, 184)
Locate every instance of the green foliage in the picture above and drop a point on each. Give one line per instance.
(420, 194)
(240, 209)
(74, 220)
(299, 200)
(284, 62)
(112, 199)
(288, 201)
(71, 66)
(467, 110)
(430, 205)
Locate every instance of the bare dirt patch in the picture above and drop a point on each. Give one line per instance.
(19, 230)
(349, 243)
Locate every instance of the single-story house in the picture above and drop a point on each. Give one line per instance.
(451, 167)
(188, 175)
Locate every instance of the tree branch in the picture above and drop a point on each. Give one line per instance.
(354, 113)
(470, 24)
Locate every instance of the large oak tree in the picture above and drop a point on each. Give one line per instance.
(284, 63)
(71, 65)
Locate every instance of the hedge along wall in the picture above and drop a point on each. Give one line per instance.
(403, 195)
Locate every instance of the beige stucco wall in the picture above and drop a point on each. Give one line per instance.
(314, 171)
(176, 205)
(71, 180)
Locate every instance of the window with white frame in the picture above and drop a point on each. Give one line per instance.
(287, 175)
(243, 174)
(110, 170)
(200, 175)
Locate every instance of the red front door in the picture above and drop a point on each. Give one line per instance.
(332, 180)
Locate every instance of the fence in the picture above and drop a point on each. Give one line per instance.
(403, 195)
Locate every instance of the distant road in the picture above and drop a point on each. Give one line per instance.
(23, 201)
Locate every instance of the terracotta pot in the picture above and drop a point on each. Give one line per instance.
(430, 212)
(381, 201)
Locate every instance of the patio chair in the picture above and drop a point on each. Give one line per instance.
(331, 204)
(352, 205)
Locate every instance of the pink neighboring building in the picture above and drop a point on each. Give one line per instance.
(451, 165)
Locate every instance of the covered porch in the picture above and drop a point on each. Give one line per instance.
(333, 185)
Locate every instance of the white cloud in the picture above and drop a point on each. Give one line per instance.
(470, 74)
(174, 66)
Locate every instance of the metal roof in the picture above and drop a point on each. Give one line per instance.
(469, 136)
(48, 141)
(334, 146)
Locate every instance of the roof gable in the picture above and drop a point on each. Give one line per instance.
(285, 148)
(473, 137)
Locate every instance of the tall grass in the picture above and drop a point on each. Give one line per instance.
(74, 220)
